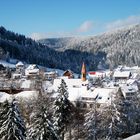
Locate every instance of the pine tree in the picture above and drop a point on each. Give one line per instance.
(41, 127)
(119, 120)
(91, 119)
(129, 116)
(111, 118)
(12, 124)
(62, 110)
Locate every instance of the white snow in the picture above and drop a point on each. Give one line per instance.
(27, 94)
(121, 74)
(25, 83)
(6, 64)
(19, 64)
(24, 95)
(4, 96)
(104, 94)
(134, 137)
(78, 90)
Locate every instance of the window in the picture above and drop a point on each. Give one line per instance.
(100, 97)
(84, 105)
(91, 105)
(78, 104)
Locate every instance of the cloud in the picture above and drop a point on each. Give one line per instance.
(131, 20)
(85, 27)
(37, 36)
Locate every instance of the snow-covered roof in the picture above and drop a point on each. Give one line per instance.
(16, 74)
(32, 69)
(128, 89)
(19, 64)
(122, 74)
(49, 73)
(135, 76)
(32, 66)
(79, 92)
(71, 83)
(131, 81)
(103, 94)
(96, 74)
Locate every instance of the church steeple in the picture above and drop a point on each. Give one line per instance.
(83, 72)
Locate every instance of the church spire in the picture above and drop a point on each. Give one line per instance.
(83, 72)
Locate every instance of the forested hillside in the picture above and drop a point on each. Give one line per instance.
(18, 46)
(104, 51)
(119, 47)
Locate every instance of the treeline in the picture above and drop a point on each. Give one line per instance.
(47, 118)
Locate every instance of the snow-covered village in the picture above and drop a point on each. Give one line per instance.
(103, 104)
(70, 70)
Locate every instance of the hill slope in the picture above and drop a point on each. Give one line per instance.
(107, 50)
(13, 45)
(119, 47)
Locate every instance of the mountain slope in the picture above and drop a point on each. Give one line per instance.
(120, 46)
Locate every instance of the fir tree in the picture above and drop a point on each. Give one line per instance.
(111, 119)
(91, 119)
(12, 124)
(129, 116)
(41, 127)
(62, 110)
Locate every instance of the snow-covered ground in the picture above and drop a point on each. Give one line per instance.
(6, 64)
(4, 96)
(25, 95)
(134, 137)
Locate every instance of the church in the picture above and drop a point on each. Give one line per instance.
(79, 91)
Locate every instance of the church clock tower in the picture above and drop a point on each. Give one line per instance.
(83, 72)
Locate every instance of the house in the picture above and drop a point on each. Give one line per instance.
(96, 74)
(78, 91)
(16, 76)
(129, 91)
(121, 75)
(50, 75)
(68, 73)
(32, 70)
(20, 67)
(105, 95)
